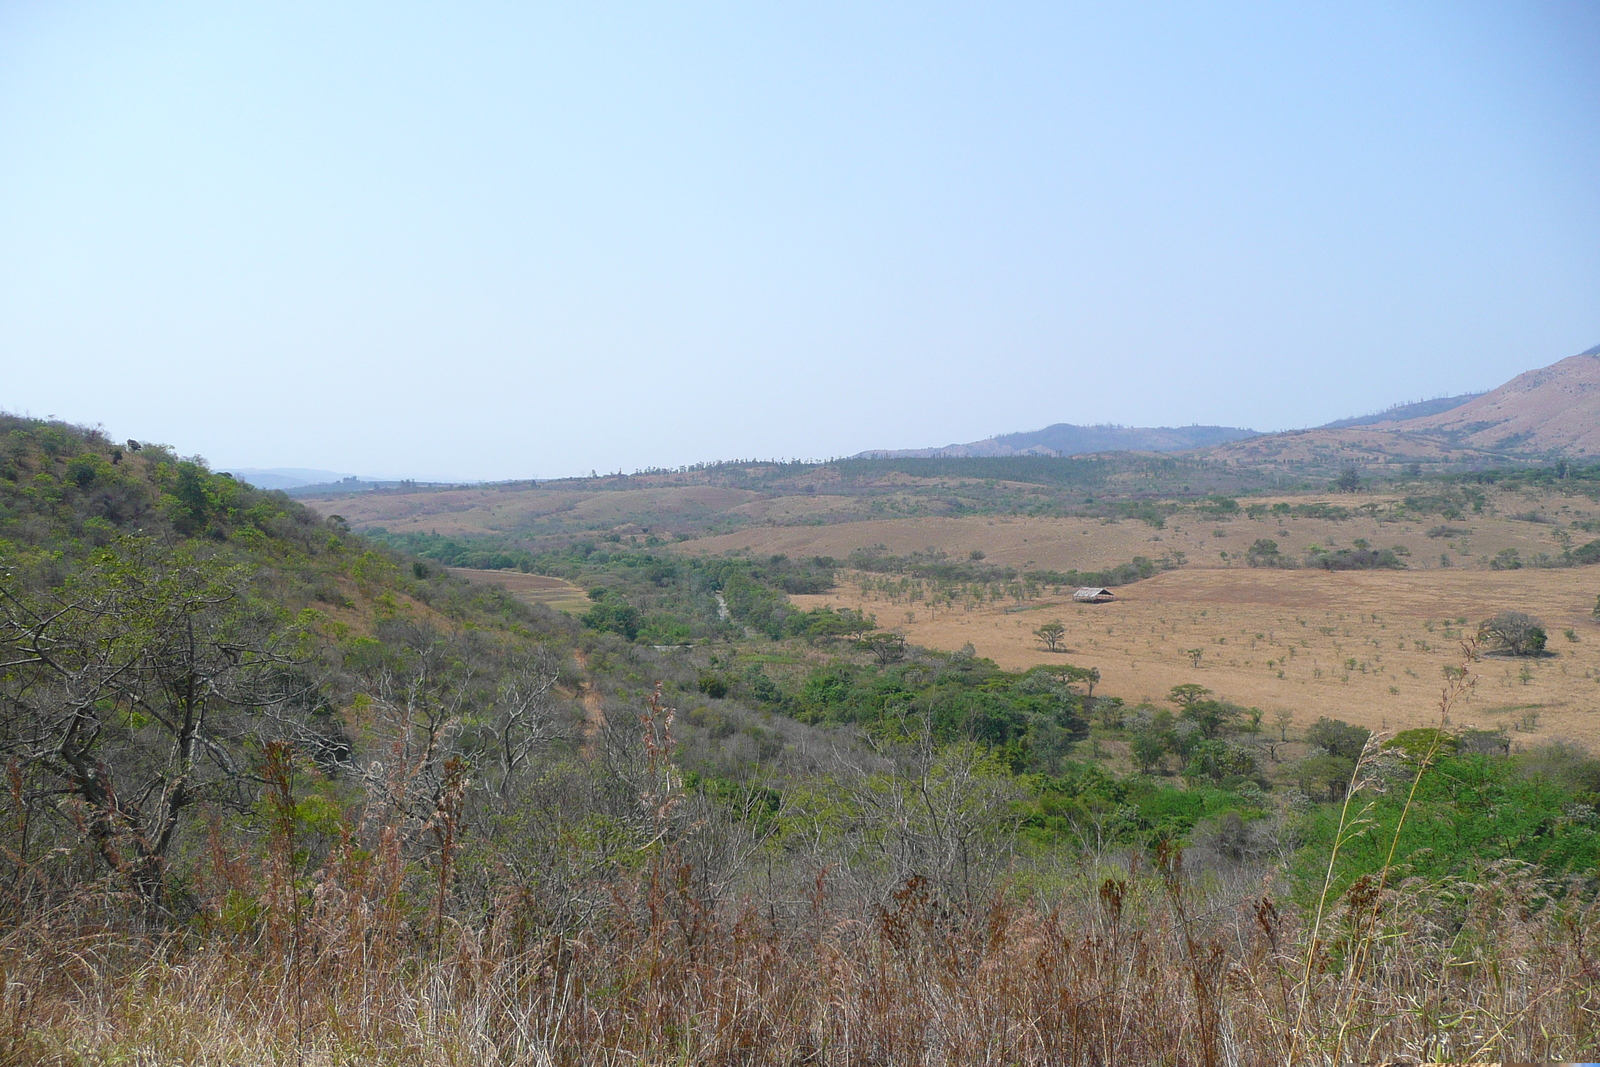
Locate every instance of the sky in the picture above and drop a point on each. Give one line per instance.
(487, 241)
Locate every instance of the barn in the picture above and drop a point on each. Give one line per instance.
(1094, 595)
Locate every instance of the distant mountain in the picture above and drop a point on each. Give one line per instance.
(1553, 412)
(1555, 409)
(1400, 412)
(285, 477)
(1065, 439)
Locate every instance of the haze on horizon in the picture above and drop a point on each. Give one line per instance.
(510, 240)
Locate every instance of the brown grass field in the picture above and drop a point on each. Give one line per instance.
(458, 512)
(530, 588)
(1087, 543)
(1285, 640)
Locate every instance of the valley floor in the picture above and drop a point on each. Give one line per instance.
(1369, 647)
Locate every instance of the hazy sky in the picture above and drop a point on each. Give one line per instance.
(488, 241)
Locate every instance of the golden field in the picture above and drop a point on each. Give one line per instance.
(1090, 543)
(1366, 646)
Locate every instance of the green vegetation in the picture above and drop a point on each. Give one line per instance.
(261, 768)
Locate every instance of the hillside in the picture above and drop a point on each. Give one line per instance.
(1551, 411)
(280, 792)
(1066, 439)
(1400, 412)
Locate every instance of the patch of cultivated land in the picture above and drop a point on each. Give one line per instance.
(530, 588)
(1369, 647)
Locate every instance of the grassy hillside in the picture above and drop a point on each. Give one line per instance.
(277, 792)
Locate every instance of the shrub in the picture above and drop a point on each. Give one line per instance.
(1515, 633)
(1586, 554)
(1338, 738)
(1355, 559)
(1264, 553)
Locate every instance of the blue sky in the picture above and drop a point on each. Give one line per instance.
(491, 241)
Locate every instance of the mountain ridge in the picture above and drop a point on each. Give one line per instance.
(1549, 411)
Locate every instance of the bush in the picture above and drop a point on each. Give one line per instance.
(712, 686)
(1515, 634)
(1586, 554)
(1264, 553)
(613, 617)
(1355, 559)
(1338, 738)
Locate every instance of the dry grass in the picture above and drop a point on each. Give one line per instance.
(509, 509)
(1130, 967)
(1088, 544)
(1252, 625)
(377, 956)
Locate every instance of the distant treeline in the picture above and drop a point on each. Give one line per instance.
(1037, 470)
(936, 566)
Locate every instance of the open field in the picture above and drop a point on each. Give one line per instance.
(1090, 543)
(530, 588)
(521, 510)
(1368, 647)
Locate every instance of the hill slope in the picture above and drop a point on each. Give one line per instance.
(1401, 412)
(1555, 409)
(1066, 439)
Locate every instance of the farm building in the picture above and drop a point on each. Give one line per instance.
(1093, 595)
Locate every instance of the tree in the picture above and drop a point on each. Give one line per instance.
(1264, 553)
(1187, 693)
(1338, 738)
(138, 688)
(1349, 480)
(1051, 634)
(887, 647)
(1332, 773)
(1209, 715)
(609, 615)
(1218, 760)
(1147, 747)
(1515, 633)
(1067, 675)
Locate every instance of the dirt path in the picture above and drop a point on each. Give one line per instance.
(594, 712)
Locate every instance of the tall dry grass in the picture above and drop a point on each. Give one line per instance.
(374, 955)
(1148, 967)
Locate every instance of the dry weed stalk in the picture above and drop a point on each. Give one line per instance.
(374, 958)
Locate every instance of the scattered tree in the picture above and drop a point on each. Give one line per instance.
(1515, 633)
(1186, 694)
(1051, 634)
(887, 647)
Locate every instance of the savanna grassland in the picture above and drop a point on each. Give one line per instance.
(766, 764)
(1371, 646)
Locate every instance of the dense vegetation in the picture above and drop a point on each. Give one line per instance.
(277, 791)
